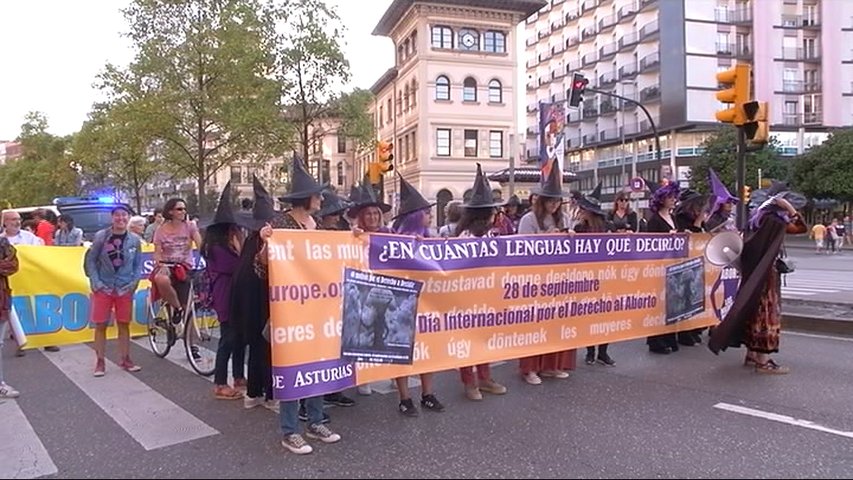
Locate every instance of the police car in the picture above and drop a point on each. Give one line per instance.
(90, 214)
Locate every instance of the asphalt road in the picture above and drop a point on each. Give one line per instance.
(820, 277)
(649, 417)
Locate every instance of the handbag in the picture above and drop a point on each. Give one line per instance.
(784, 266)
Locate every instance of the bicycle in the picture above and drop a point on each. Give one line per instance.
(198, 327)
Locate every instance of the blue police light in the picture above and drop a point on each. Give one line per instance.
(76, 200)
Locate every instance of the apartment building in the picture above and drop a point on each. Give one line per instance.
(665, 54)
(450, 100)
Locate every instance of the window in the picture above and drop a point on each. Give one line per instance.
(414, 42)
(342, 143)
(442, 88)
(237, 174)
(405, 148)
(414, 146)
(381, 116)
(442, 37)
(494, 42)
(414, 95)
(469, 39)
(496, 144)
(406, 99)
(401, 54)
(327, 171)
(442, 142)
(470, 143)
(340, 179)
(399, 102)
(390, 112)
(495, 92)
(469, 90)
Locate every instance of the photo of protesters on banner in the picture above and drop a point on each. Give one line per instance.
(685, 290)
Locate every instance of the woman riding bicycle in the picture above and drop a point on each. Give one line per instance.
(173, 257)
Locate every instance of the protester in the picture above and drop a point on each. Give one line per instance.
(662, 203)
(689, 216)
(136, 225)
(477, 221)
(173, 253)
(722, 206)
(43, 228)
(621, 218)
(67, 235)
(452, 215)
(152, 228)
(113, 265)
(8, 267)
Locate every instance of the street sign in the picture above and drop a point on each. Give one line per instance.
(638, 184)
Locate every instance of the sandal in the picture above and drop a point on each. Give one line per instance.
(771, 367)
(749, 359)
(224, 392)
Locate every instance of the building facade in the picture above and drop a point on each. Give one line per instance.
(796, 49)
(9, 151)
(450, 100)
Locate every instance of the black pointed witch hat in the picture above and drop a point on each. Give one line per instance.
(652, 186)
(302, 184)
(552, 185)
(481, 193)
(263, 210)
(367, 198)
(225, 213)
(411, 200)
(592, 202)
(333, 204)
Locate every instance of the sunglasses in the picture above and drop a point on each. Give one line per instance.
(621, 199)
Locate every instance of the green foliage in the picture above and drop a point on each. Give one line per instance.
(203, 80)
(826, 170)
(43, 172)
(720, 153)
(356, 120)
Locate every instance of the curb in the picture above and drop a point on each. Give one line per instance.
(811, 324)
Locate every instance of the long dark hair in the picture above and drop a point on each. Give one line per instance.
(592, 223)
(476, 221)
(218, 234)
(540, 213)
(170, 205)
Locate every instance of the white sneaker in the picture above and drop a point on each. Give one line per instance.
(296, 444)
(365, 389)
(322, 433)
(7, 391)
(252, 402)
(554, 374)
(272, 405)
(532, 379)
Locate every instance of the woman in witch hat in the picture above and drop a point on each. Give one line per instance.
(477, 221)
(690, 215)
(547, 216)
(662, 203)
(592, 219)
(722, 205)
(220, 248)
(754, 318)
(332, 212)
(414, 218)
(305, 197)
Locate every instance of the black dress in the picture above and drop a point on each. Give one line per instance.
(667, 342)
(686, 223)
(628, 223)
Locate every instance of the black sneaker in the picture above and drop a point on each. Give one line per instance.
(407, 408)
(194, 352)
(303, 415)
(590, 358)
(177, 316)
(338, 399)
(429, 402)
(605, 359)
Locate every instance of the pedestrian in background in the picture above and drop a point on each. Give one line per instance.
(8, 266)
(452, 215)
(152, 228)
(67, 235)
(113, 265)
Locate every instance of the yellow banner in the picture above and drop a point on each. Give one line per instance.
(405, 306)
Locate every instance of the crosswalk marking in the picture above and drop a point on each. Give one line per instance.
(807, 283)
(23, 454)
(147, 416)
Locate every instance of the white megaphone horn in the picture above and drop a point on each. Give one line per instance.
(724, 250)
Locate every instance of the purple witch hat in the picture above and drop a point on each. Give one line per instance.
(719, 192)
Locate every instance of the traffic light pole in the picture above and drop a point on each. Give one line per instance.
(740, 178)
(648, 116)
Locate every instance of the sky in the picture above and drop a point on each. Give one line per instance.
(52, 50)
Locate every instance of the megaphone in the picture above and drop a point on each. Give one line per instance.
(724, 250)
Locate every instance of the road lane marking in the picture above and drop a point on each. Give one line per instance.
(148, 417)
(23, 454)
(781, 419)
(815, 335)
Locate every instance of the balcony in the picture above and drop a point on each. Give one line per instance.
(644, 4)
(628, 71)
(531, 63)
(628, 40)
(628, 106)
(608, 51)
(557, 25)
(590, 139)
(533, 130)
(558, 49)
(606, 107)
(531, 41)
(571, 17)
(544, 80)
(800, 21)
(588, 32)
(797, 119)
(733, 50)
(602, 3)
(607, 22)
(809, 54)
(572, 41)
(589, 112)
(589, 58)
(544, 56)
(531, 87)
(542, 34)
(557, 74)
(588, 5)
(649, 30)
(626, 12)
(741, 15)
(573, 66)
(798, 86)
(532, 107)
(649, 94)
(650, 62)
(573, 117)
(607, 79)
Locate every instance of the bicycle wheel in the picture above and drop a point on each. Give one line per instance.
(160, 332)
(201, 339)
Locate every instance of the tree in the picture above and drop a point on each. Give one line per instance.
(356, 120)
(826, 170)
(313, 68)
(207, 71)
(115, 147)
(720, 153)
(43, 171)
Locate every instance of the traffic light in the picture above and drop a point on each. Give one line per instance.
(579, 83)
(738, 78)
(382, 164)
(755, 122)
(745, 193)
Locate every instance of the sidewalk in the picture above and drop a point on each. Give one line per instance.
(817, 317)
